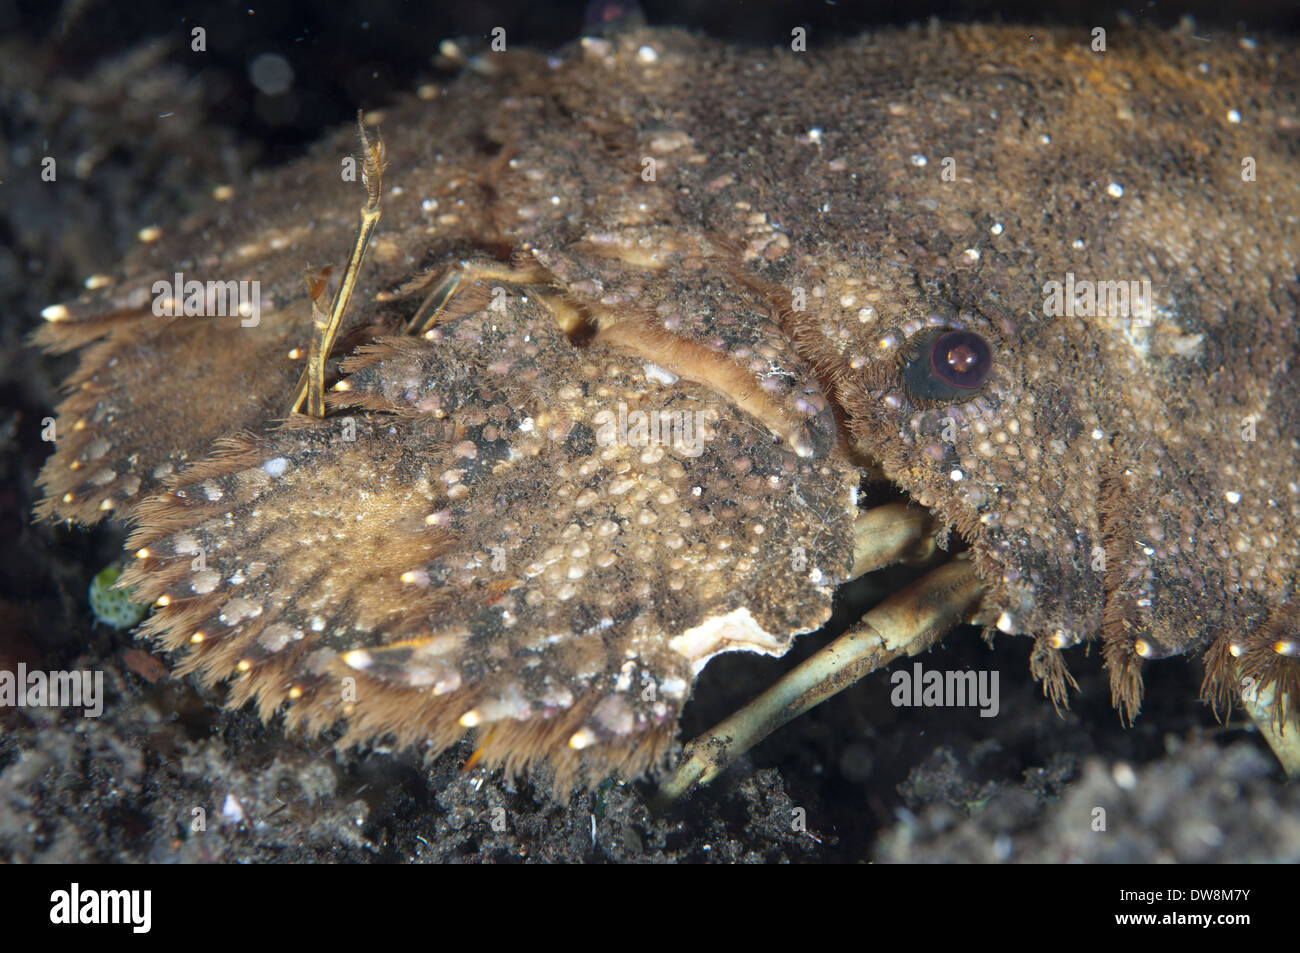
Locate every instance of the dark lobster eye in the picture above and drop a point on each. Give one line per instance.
(947, 365)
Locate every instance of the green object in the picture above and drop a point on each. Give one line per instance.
(114, 606)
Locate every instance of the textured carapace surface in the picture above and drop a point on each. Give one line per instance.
(754, 247)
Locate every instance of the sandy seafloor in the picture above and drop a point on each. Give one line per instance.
(875, 782)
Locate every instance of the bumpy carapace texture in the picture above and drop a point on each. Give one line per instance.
(657, 230)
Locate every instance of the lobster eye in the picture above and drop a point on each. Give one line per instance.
(947, 365)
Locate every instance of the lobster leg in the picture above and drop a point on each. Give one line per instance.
(904, 624)
(310, 389)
